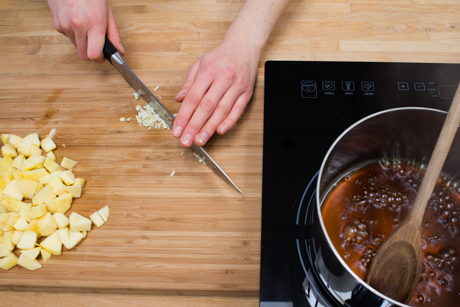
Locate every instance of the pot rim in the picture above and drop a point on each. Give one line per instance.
(318, 196)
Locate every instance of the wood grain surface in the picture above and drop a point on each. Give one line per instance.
(186, 240)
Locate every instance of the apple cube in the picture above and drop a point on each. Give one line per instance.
(60, 204)
(33, 139)
(28, 240)
(8, 220)
(65, 237)
(68, 163)
(48, 144)
(35, 174)
(17, 162)
(17, 235)
(30, 264)
(67, 177)
(45, 255)
(36, 211)
(57, 186)
(4, 251)
(8, 149)
(75, 190)
(52, 244)
(43, 196)
(38, 161)
(9, 261)
(75, 238)
(21, 224)
(61, 220)
(79, 222)
(31, 253)
(5, 138)
(51, 166)
(104, 213)
(51, 155)
(97, 219)
(28, 187)
(47, 225)
(12, 189)
(7, 236)
(15, 140)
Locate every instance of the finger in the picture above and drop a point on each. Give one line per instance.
(71, 36)
(189, 105)
(204, 110)
(235, 113)
(82, 44)
(220, 113)
(113, 33)
(189, 80)
(96, 39)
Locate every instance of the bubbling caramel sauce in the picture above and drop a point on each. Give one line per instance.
(364, 207)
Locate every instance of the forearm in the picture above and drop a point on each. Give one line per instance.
(255, 21)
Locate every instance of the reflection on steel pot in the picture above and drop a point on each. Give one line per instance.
(403, 133)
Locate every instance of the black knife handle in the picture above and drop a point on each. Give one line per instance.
(109, 50)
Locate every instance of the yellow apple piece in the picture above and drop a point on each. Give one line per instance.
(7, 240)
(75, 237)
(17, 162)
(79, 222)
(47, 225)
(45, 255)
(33, 139)
(8, 220)
(52, 244)
(97, 219)
(12, 189)
(33, 226)
(5, 138)
(52, 133)
(60, 204)
(43, 196)
(65, 237)
(84, 233)
(15, 140)
(27, 165)
(28, 187)
(17, 235)
(3, 250)
(61, 220)
(75, 190)
(67, 177)
(68, 163)
(79, 181)
(51, 166)
(23, 213)
(36, 211)
(28, 240)
(48, 144)
(12, 204)
(104, 213)
(24, 147)
(8, 149)
(9, 261)
(30, 264)
(35, 151)
(21, 224)
(31, 253)
(51, 155)
(57, 185)
(38, 161)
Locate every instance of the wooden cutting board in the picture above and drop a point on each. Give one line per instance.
(184, 234)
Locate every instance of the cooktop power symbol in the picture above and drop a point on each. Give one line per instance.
(308, 89)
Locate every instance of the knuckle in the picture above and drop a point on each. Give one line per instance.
(229, 74)
(207, 105)
(191, 99)
(223, 109)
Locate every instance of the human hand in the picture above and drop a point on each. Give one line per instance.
(86, 23)
(215, 92)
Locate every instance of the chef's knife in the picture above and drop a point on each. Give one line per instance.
(114, 57)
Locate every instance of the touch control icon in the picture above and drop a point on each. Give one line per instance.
(419, 86)
(403, 86)
(328, 86)
(348, 86)
(367, 86)
(308, 89)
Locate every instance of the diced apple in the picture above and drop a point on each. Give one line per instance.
(65, 237)
(68, 163)
(104, 213)
(35, 174)
(17, 235)
(3, 250)
(27, 165)
(57, 186)
(43, 196)
(28, 240)
(51, 166)
(9, 261)
(35, 151)
(15, 140)
(33, 139)
(51, 155)
(79, 222)
(12, 189)
(45, 255)
(60, 204)
(52, 133)
(79, 181)
(8, 220)
(5, 138)
(28, 187)
(75, 190)
(7, 240)
(30, 264)
(67, 177)
(8, 149)
(12, 204)
(52, 244)
(97, 219)
(24, 147)
(61, 220)
(75, 238)
(33, 226)
(48, 144)
(38, 161)
(21, 224)
(31, 253)
(17, 162)
(36, 211)
(47, 225)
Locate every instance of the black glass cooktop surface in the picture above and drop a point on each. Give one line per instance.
(307, 106)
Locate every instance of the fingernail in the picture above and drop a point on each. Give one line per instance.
(187, 140)
(179, 94)
(223, 128)
(202, 138)
(177, 131)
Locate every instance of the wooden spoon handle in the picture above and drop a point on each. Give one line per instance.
(441, 150)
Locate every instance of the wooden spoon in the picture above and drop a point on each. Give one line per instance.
(395, 269)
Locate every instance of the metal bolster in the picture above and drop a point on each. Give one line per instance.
(117, 57)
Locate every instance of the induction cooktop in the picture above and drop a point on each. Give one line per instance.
(307, 106)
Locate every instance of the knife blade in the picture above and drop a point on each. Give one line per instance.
(113, 56)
